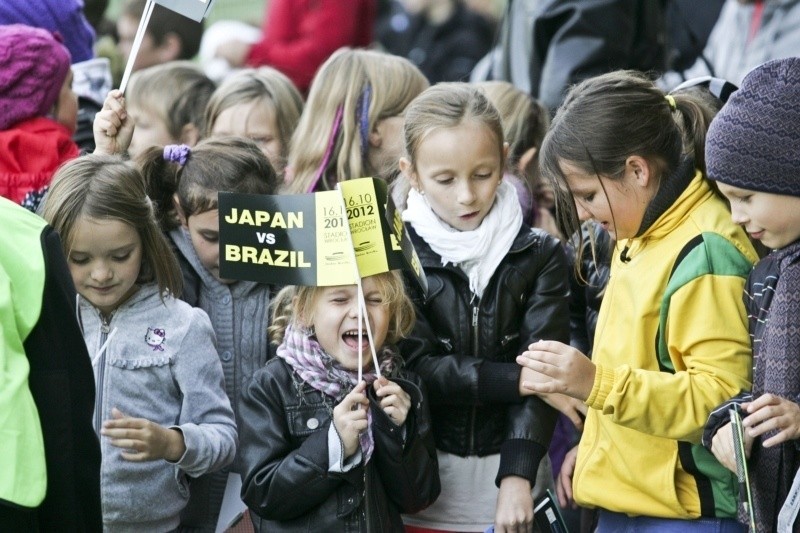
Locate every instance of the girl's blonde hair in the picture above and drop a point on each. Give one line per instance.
(223, 164)
(176, 92)
(107, 188)
(266, 86)
(295, 301)
(335, 115)
(447, 105)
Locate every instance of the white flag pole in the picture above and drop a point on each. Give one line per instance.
(137, 43)
(362, 306)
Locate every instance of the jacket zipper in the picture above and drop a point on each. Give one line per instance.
(101, 371)
(475, 312)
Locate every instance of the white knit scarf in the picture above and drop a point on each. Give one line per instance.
(477, 252)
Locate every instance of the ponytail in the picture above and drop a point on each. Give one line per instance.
(161, 179)
(694, 112)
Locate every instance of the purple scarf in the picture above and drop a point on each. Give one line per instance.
(322, 372)
(777, 371)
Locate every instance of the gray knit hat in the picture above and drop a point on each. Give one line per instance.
(754, 141)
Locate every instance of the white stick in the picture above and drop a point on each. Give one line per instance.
(359, 296)
(362, 306)
(103, 347)
(137, 43)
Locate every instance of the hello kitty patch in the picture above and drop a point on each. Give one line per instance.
(155, 338)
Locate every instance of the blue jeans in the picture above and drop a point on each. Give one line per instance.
(621, 523)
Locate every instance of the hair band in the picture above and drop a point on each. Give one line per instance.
(671, 100)
(362, 116)
(177, 153)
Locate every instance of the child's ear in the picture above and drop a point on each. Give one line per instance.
(640, 169)
(525, 159)
(179, 210)
(408, 172)
(190, 134)
(375, 138)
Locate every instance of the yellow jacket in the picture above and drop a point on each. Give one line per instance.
(671, 344)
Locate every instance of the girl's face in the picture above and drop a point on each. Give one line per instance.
(335, 321)
(618, 205)
(773, 219)
(458, 170)
(66, 111)
(256, 121)
(204, 232)
(386, 145)
(151, 130)
(104, 261)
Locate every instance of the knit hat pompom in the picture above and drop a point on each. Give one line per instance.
(754, 141)
(33, 67)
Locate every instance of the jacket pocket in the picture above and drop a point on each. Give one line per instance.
(143, 387)
(182, 481)
(306, 419)
(140, 362)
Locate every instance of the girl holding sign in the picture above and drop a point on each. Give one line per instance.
(322, 451)
(161, 409)
(494, 286)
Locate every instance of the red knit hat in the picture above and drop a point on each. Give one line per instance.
(33, 67)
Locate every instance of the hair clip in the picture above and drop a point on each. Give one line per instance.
(177, 153)
(671, 101)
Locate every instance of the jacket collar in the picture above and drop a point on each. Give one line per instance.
(525, 238)
(183, 243)
(144, 299)
(697, 192)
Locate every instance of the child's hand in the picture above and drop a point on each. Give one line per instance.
(558, 368)
(770, 412)
(147, 440)
(564, 480)
(722, 447)
(573, 409)
(514, 511)
(113, 127)
(395, 402)
(350, 418)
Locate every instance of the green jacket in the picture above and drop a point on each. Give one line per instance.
(23, 476)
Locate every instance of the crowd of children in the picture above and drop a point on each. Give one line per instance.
(638, 318)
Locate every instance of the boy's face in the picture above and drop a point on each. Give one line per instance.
(150, 130)
(773, 219)
(149, 54)
(204, 233)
